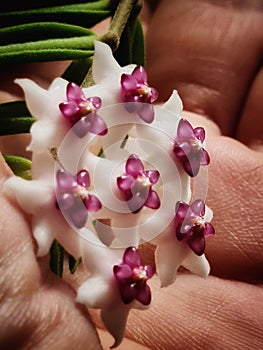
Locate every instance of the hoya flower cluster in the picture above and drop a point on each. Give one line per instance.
(111, 171)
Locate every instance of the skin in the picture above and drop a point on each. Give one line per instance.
(211, 52)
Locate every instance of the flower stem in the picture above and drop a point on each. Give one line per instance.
(119, 21)
(121, 16)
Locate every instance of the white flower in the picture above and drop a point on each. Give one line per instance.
(131, 192)
(50, 128)
(171, 253)
(101, 290)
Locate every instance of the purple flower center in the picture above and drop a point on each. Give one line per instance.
(132, 277)
(81, 112)
(189, 147)
(190, 225)
(136, 185)
(135, 91)
(73, 197)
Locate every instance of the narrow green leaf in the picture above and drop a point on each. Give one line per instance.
(16, 5)
(138, 49)
(40, 30)
(124, 141)
(82, 42)
(56, 258)
(48, 50)
(19, 165)
(73, 263)
(11, 109)
(15, 118)
(131, 48)
(16, 125)
(87, 14)
(101, 153)
(45, 55)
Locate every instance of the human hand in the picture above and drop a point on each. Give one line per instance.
(204, 307)
(38, 309)
(211, 51)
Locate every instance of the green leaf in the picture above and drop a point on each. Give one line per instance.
(57, 258)
(16, 5)
(19, 165)
(87, 14)
(16, 125)
(138, 49)
(10, 109)
(48, 50)
(15, 118)
(131, 48)
(45, 55)
(124, 141)
(101, 153)
(73, 263)
(40, 30)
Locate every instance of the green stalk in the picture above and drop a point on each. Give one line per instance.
(118, 23)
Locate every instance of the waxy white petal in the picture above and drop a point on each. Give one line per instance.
(174, 104)
(30, 195)
(197, 264)
(96, 292)
(115, 318)
(42, 234)
(169, 256)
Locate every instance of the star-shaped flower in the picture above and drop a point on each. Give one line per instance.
(136, 185)
(116, 280)
(81, 112)
(37, 198)
(172, 253)
(134, 88)
(189, 147)
(102, 289)
(190, 225)
(73, 197)
(132, 277)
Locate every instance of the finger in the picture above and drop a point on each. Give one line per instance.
(236, 197)
(200, 314)
(250, 130)
(209, 53)
(17, 245)
(211, 128)
(15, 145)
(37, 309)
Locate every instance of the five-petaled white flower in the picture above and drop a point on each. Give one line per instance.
(120, 200)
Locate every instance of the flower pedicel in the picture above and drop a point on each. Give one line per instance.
(138, 191)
